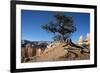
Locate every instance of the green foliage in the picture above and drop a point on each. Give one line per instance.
(62, 27)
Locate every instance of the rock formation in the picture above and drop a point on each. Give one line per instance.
(80, 41)
(52, 54)
(27, 52)
(38, 52)
(88, 39)
(57, 51)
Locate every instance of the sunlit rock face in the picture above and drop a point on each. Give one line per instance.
(38, 52)
(81, 41)
(88, 39)
(53, 53)
(29, 50)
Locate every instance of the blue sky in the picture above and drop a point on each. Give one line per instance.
(32, 20)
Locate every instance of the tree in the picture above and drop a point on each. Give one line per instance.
(57, 38)
(62, 26)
